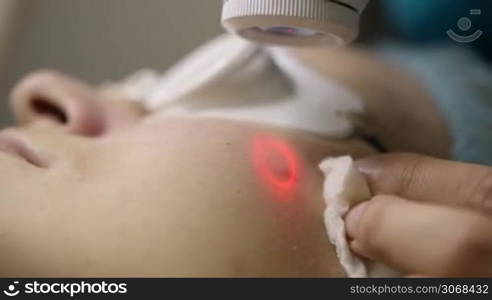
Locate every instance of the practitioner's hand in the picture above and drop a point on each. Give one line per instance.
(429, 217)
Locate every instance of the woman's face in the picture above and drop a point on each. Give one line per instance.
(92, 186)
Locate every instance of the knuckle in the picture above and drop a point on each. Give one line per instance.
(481, 193)
(410, 175)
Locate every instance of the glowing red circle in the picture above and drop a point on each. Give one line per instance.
(266, 146)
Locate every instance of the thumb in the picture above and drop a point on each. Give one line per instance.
(422, 178)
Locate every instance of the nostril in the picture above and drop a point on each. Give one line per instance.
(46, 108)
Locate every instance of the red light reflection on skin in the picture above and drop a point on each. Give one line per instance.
(276, 162)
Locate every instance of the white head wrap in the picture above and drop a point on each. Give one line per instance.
(236, 79)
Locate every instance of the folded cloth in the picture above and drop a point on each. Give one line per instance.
(233, 78)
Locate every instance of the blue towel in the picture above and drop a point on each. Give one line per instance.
(461, 83)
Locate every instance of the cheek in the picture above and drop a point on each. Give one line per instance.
(276, 163)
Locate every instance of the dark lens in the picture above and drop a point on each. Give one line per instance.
(289, 31)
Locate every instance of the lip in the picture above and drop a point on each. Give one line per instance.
(18, 146)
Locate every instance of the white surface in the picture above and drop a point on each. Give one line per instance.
(230, 78)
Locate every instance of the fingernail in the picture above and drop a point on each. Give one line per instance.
(353, 217)
(368, 165)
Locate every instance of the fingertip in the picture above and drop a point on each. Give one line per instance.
(352, 219)
(357, 248)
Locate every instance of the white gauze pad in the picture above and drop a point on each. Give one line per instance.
(344, 187)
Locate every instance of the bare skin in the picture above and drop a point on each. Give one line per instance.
(399, 109)
(112, 191)
(403, 224)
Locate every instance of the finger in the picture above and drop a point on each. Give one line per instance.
(422, 178)
(422, 238)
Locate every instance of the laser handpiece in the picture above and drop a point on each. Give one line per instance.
(301, 23)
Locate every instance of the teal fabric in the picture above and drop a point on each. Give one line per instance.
(461, 83)
(429, 20)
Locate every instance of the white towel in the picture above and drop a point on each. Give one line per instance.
(235, 79)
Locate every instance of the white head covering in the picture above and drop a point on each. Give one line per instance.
(235, 79)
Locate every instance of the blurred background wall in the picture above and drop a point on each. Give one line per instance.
(101, 39)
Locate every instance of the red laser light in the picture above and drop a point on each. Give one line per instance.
(276, 162)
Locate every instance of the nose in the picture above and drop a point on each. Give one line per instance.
(71, 104)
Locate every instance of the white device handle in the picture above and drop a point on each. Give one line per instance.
(305, 23)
